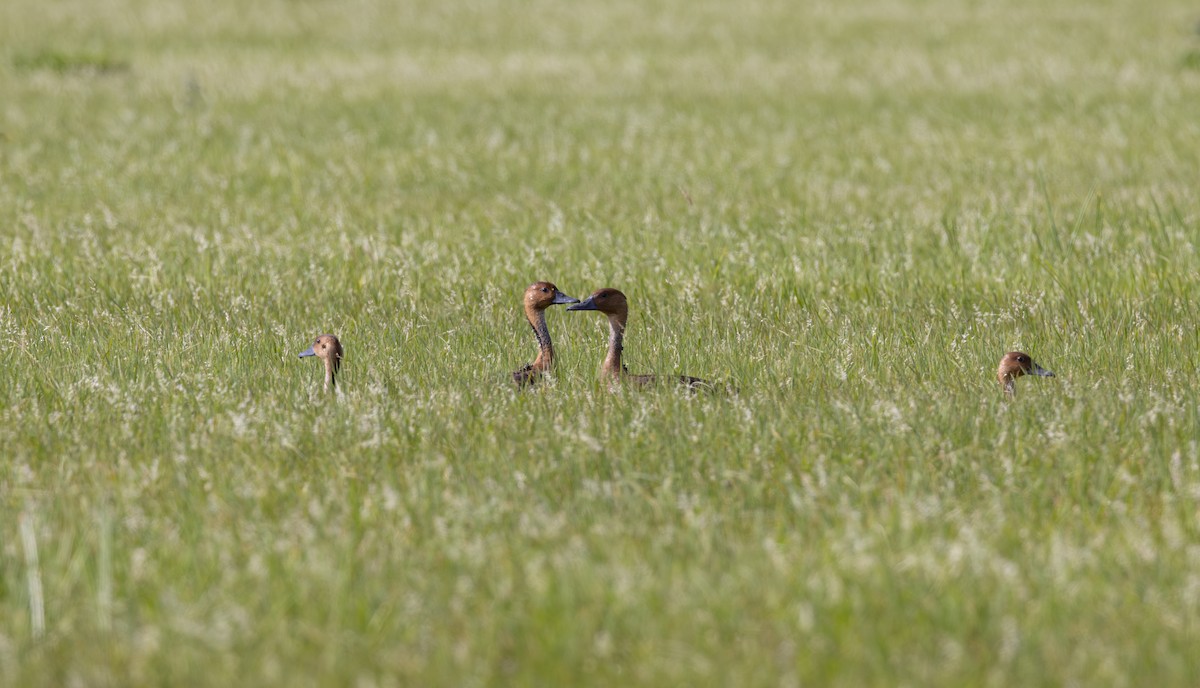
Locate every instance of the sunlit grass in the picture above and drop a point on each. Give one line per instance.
(850, 212)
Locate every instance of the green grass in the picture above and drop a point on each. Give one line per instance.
(850, 211)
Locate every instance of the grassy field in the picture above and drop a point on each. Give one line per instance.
(849, 209)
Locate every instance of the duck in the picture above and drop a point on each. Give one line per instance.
(327, 348)
(1013, 365)
(612, 303)
(538, 297)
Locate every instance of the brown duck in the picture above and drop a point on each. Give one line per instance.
(538, 297)
(327, 348)
(1013, 365)
(613, 304)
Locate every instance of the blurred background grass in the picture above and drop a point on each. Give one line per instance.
(850, 210)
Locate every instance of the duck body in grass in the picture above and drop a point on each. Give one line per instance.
(615, 306)
(538, 297)
(328, 349)
(1013, 365)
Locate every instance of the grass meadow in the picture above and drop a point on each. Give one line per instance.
(851, 210)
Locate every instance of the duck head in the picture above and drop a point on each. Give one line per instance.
(541, 295)
(327, 348)
(1013, 365)
(608, 301)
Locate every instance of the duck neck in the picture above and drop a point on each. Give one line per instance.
(616, 340)
(537, 320)
(331, 368)
(1008, 381)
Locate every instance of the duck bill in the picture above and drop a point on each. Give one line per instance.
(587, 304)
(561, 298)
(1040, 371)
(307, 352)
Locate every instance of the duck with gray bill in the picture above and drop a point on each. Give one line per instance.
(613, 304)
(1013, 365)
(538, 297)
(327, 348)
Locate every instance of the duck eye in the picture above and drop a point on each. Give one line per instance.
(545, 290)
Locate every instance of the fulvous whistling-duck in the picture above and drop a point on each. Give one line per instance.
(538, 297)
(1013, 365)
(613, 304)
(328, 349)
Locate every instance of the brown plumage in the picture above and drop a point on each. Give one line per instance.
(1013, 365)
(327, 348)
(613, 304)
(538, 297)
